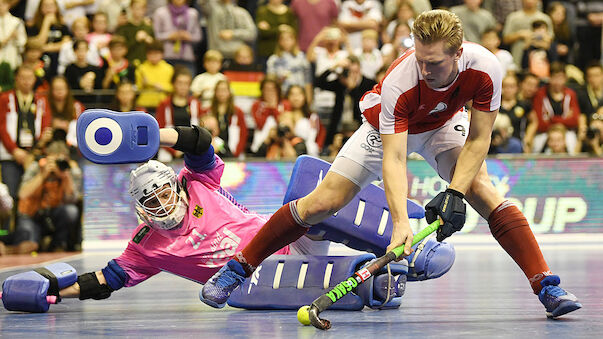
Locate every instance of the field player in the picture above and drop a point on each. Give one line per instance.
(418, 107)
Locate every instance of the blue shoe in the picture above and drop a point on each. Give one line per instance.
(218, 288)
(555, 299)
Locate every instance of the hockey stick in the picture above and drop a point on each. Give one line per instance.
(340, 290)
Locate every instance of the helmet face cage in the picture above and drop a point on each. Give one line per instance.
(160, 201)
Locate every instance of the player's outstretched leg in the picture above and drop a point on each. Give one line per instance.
(512, 231)
(218, 288)
(555, 299)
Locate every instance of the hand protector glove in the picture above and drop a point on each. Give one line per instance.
(449, 206)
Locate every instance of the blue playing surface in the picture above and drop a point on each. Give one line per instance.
(484, 295)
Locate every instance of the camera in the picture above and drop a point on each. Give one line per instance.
(345, 72)
(62, 164)
(59, 134)
(282, 131)
(591, 133)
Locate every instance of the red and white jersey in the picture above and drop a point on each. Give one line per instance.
(402, 101)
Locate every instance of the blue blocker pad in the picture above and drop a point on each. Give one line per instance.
(27, 291)
(363, 224)
(108, 137)
(287, 282)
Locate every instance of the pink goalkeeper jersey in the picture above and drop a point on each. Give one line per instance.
(215, 227)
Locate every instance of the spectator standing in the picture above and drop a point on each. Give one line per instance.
(231, 119)
(399, 44)
(50, 31)
(117, 68)
(137, 32)
(405, 15)
(67, 55)
(81, 75)
(117, 12)
(565, 35)
(588, 25)
(518, 28)
(269, 19)
(23, 117)
(266, 110)
(64, 108)
(32, 58)
(328, 50)
(302, 121)
(371, 59)
(540, 51)
(153, 78)
(100, 36)
(391, 6)
(502, 8)
(553, 103)
(74, 9)
(228, 26)
(289, 64)
(491, 41)
(12, 36)
(203, 84)
(312, 17)
(177, 26)
(358, 15)
(349, 85)
(475, 19)
(181, 108)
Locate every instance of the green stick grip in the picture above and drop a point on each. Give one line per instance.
(418, 237)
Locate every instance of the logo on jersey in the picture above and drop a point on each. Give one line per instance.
(198, 212)
(440, 107)
(143, 231)
(373, 139)
(460, 128)
(255, 278)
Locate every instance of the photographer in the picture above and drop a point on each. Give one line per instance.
(349, 81)
(282, 144)
(540, 50)
(48, 197)
(589, 139)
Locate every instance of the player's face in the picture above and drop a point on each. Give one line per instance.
(438, 67)
(163, 201)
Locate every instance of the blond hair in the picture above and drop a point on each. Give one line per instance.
(370, 34)
(213, 55)
(282, 30)
(439, 25)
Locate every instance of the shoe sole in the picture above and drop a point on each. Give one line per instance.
(210, 302)
(564, 308)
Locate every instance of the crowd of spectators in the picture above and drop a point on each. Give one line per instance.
(268, 78)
